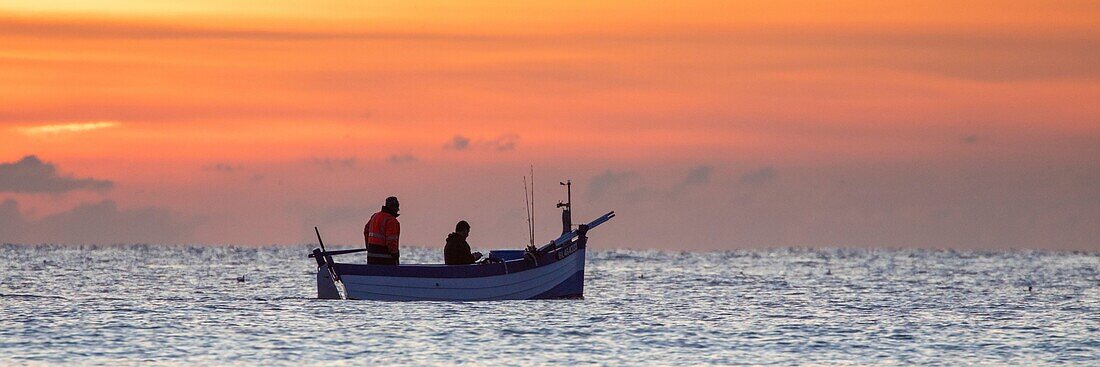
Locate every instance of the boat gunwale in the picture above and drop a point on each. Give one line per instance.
(442, 271)
(565, 268)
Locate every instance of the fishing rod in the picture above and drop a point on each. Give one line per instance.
(532, 205)
(530, 215)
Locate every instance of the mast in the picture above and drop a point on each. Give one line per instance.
(567, 207)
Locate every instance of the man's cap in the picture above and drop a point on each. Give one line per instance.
(462, 226)
(392, 202)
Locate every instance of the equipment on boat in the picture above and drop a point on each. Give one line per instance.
(567, 213)
(555, 270)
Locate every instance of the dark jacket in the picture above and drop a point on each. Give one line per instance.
(457, 251)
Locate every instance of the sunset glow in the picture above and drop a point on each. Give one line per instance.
(844, 123)
(66, 128)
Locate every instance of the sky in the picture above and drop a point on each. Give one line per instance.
(706, 125)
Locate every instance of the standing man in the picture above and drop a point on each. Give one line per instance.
(382, 232)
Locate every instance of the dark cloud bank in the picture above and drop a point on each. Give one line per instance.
(32, 175)
(977, 207)
(95, 223)
(89, 223)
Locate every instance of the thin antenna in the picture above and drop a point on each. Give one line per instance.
(532, 205)
(527, 205)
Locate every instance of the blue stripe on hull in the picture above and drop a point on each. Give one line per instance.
(570, 288)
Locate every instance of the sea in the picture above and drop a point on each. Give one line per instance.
(223, 305)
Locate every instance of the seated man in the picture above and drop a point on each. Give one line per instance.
(457, 251)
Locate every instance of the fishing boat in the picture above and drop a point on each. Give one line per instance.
(554, 270)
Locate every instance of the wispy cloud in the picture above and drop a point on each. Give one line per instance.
(698, 176)
(759, 177)
(91, 28)
(331, 163)
(75, 127)
(502, 143)
(403, 158)
(458, 142)
(609, 182)
(221, 167)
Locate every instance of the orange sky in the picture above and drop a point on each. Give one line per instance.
(246, 121)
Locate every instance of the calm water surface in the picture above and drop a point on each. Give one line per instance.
(122, 305)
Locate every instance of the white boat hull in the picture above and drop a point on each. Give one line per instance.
(540, 282)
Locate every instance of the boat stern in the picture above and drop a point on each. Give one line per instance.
(326, 288)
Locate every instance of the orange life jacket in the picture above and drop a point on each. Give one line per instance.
(382, 231)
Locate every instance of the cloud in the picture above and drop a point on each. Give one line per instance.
(628, 185)
(458, 142)
(334, 163)
(32, 175)
(66, 128)
(698, 176)
(972, 53)
(759, 177)
(221, 167)
(403, 158)
(132, 30)
(175, 111)
(96, 223)
(608, 182)
(503, 143)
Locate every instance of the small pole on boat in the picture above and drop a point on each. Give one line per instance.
(532, 205)
(319, 242)
(527, 205)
